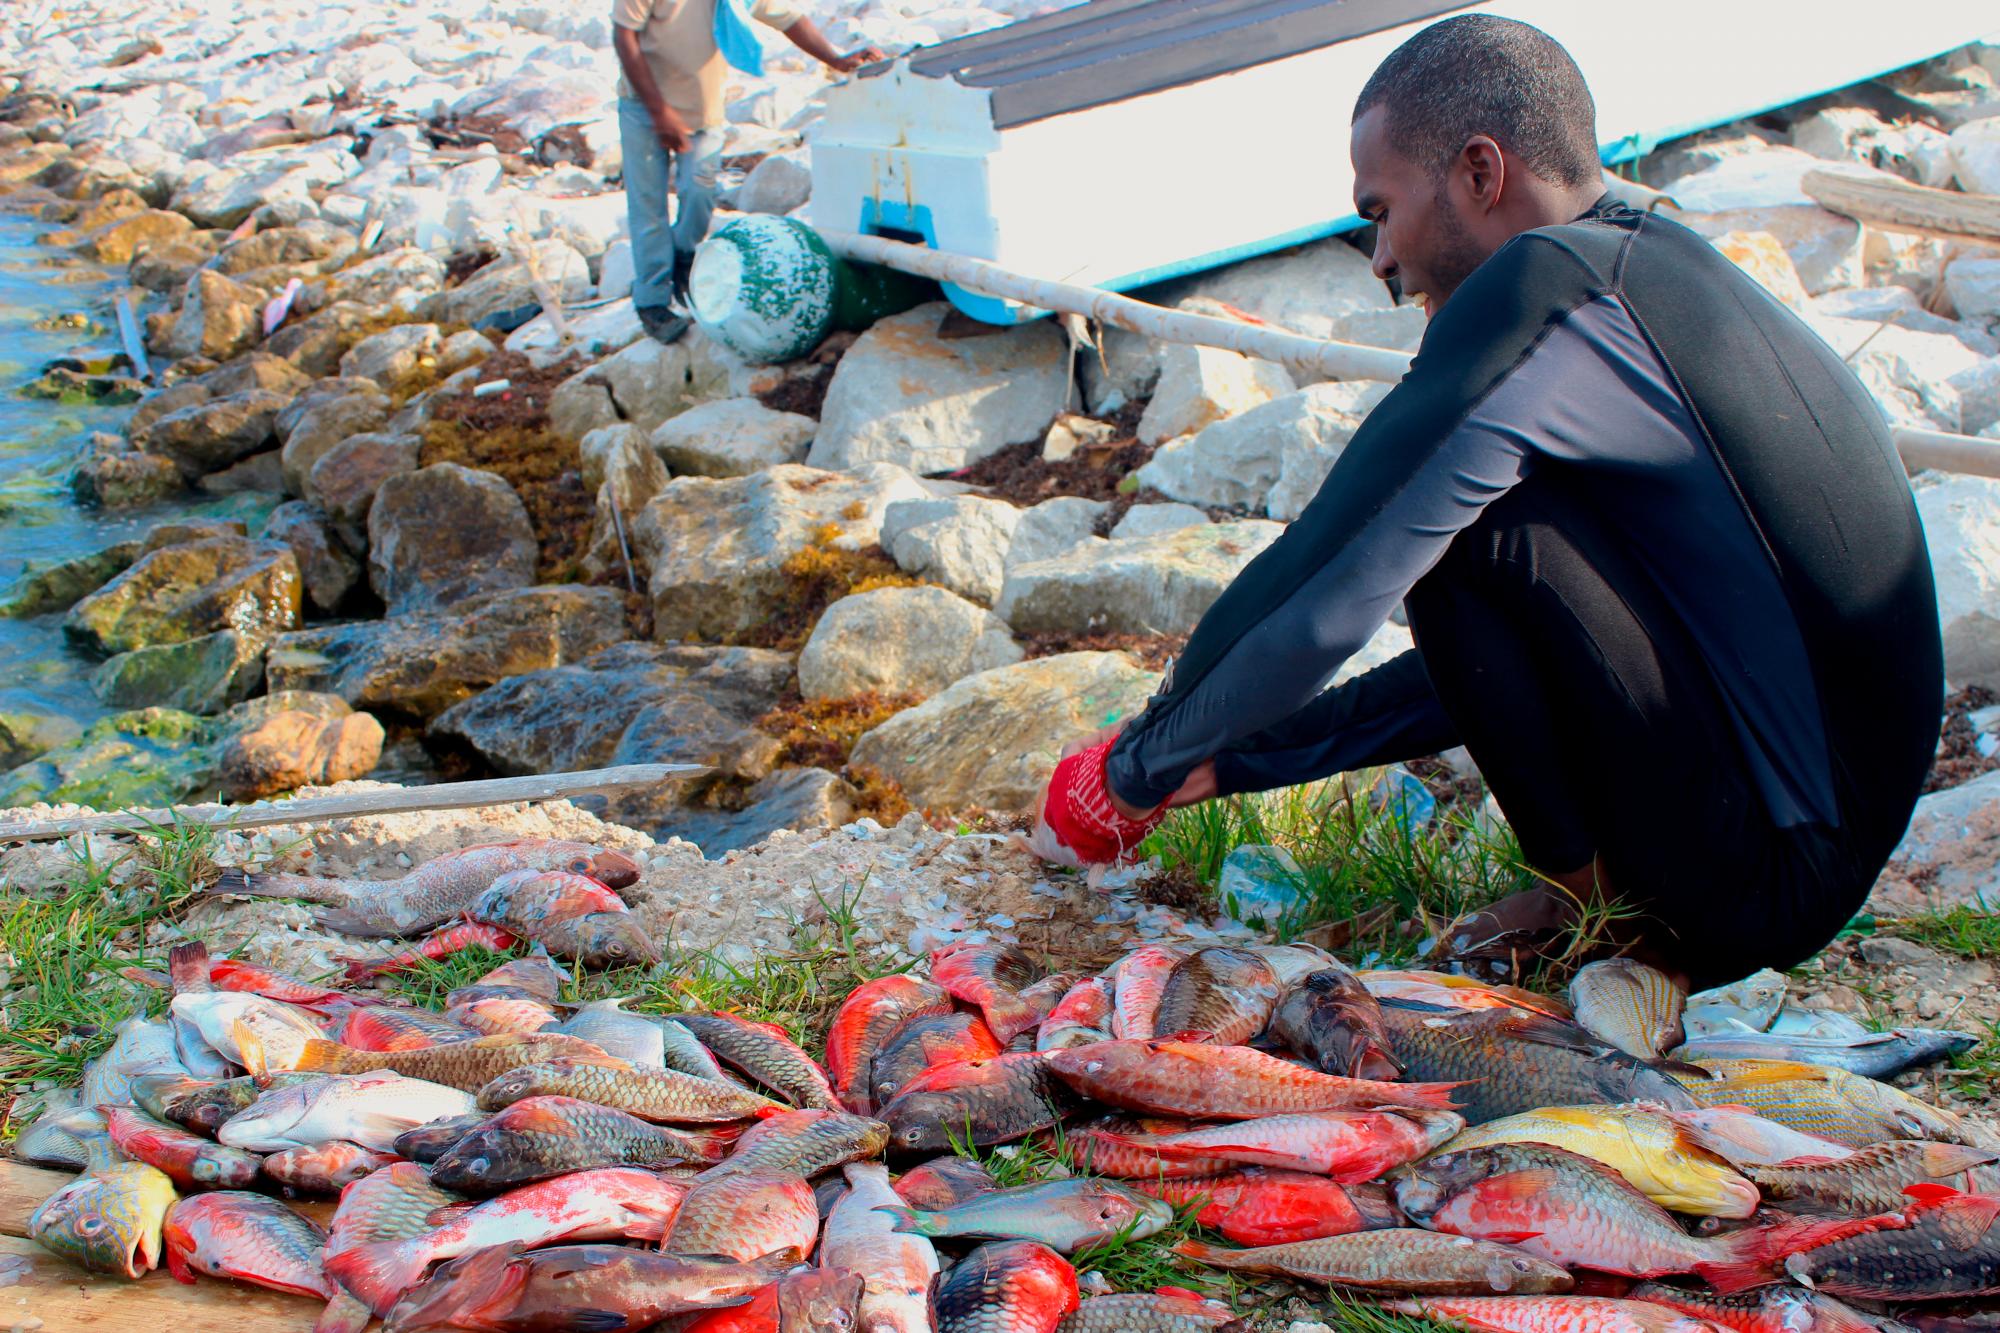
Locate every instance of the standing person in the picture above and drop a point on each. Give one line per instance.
(1660, 559)
(670, 118)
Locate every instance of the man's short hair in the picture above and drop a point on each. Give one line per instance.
(1481, 74)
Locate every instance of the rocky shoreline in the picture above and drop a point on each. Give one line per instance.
(519, 549)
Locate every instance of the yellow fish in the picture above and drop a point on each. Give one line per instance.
(1657, 1157)
(1832, 1103)
(1633, 1007)
(107, 1219)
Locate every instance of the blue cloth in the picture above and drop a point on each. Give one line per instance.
(736, 39)
(649, 171)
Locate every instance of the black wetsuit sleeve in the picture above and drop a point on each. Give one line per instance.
(1382, 716)
(1419, 471)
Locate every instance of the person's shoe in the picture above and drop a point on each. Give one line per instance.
(662, 324)
(683, 270)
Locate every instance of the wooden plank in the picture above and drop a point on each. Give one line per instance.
(1900, 205)
(65, 1298)
(392, 800)
(23, 1187)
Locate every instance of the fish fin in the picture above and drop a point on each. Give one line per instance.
(177, 1264)
(1680, 1070)
(1949, 1159)
(1194, 1249)
(766, 1112)
(1929, 1191)
(1509, 1237)
(1194, 1035)
(378, 1274)
(250, 1052)
(1181, 1292)
(319, 1055)
(910, 1220)
(1532, 1182)
(467, 1286)
(187, 968)
(534, 1116)
(357, 923)
(146, 976)
(343, 1314)
(449, 1213)
(1751, 1258)
(1966, 1218)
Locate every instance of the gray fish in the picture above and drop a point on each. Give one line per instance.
(626, 1036)
(60, 1139)
(1629, 1005)
(143, 1046)
(684, 1051)
(1752, 1002)
(1878, 1055)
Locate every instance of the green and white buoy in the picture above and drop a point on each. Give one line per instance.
(769, 289)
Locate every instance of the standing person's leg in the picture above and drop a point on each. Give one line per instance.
(648, 169)
(1596, 724)
(698, 169)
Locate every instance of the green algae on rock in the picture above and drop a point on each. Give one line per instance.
(154, 756)
(24, 735)
(59, 585)
(204, 675)
(184, 591)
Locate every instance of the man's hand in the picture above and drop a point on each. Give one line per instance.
(854, 60)
(671, 130)
(1200, 784)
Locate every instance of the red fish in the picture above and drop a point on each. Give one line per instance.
(246, 1238)
(443, 944)
(1081, 1016)
(325, 1168)
(1137, 984)
(1264, 1206)
(928, 1043)
(1348, 1146)
(1224, 1082)
(868, 1019)
(381, 1027)
(1013, 1286)
(237, 975)
(989, 977)
(189, 1160)
(1551, 1314)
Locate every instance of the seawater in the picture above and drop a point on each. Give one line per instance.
(40, 521)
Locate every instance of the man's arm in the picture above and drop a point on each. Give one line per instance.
(667, 123)
(803, 33)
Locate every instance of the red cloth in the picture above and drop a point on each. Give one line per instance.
(1078, 811)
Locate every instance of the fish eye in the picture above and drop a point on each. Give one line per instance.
(89, 1226)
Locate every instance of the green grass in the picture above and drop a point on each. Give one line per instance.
(1352, 1315)
(1960, 931)
(1977, 1072)
(432, 979)
(1356, 862)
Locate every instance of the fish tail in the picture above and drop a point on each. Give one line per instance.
(237, 882)
(320, 1056)
(910, 1220)
(343, 1314)
(484, 1280)
(1425, 1096)
(187, 968)
(1751, 1258)
(378, 1274)
(1199, 1251)
(250, 1051)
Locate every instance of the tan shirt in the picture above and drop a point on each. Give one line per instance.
(677, 38)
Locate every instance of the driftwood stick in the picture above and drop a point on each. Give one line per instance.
(1885, 201)
(385, 801)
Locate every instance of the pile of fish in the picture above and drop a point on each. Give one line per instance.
(1481, 1155)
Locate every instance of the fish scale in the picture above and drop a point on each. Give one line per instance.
(628, 1036)
(1947, 1248)
(552, 1136)
(1064, 1215)
(772, 1060)
(1630, 1005)
(1136, 986)
(1330, 1018)
(190, 1161)
(897, 1268)
(109, 1218)
(1012, 1286)
(1656, 1156)
(744, 1215)
(872, 1014)
(1551, 1314)
(1151, 1312)
(1872, 1180)
(924, 1044)
(392, 1204)
(573, 915)
(467, 1065)
(604, 1288)
(1226, 993)
(248, 1238)
(1766, 1310)
(1831, 1103)
(989, 977)
(1398, 1259)
(650, 1094)
(986, 1101)
(1347, 1146)
(1264, 1206)
(326, 1168)
(805, 1142)
(435, 891)
(1223, 1082)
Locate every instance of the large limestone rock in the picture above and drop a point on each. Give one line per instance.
(1146, 585)
(1975, 155)
(631, 703)
(322, 418)
(114, 475)
(959, 542)
(1961, 517)
(155, 756)
(183, 592)
(1974, 288)
(990, 740)
(719, 547)
(1763, 257)
(330, 572)
(1950, 857)
(316, 343)
(291, 749)
(117, 242)
(506, 284)
(800, 799)
(204, 675)
(628, 474)
(1275, 455)
(904, 395)
(1151, 520)
(901, 641)
(1199, 386)
(393, 354)
(1053, 527)
(209, 436)
(347, 476)
(420, 665)
(732, 437)
(444, 533)
(778, 184)
(219, 317)
(401, 278)
(1825, 248)
(1312, 289)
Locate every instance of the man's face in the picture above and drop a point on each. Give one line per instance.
(1420, 236)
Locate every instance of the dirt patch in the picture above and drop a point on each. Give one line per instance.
(1151, 651)
(804, 392)
(1454, 792)
(1179, 888)
(462, 264)
(1958, 759)
(1020, 475)
(509, 435)
(817, 576)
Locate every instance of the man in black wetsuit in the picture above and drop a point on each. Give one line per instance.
(1662, 566)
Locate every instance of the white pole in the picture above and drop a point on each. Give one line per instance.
(1318, 359)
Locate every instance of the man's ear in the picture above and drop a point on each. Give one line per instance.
(1481, 170)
